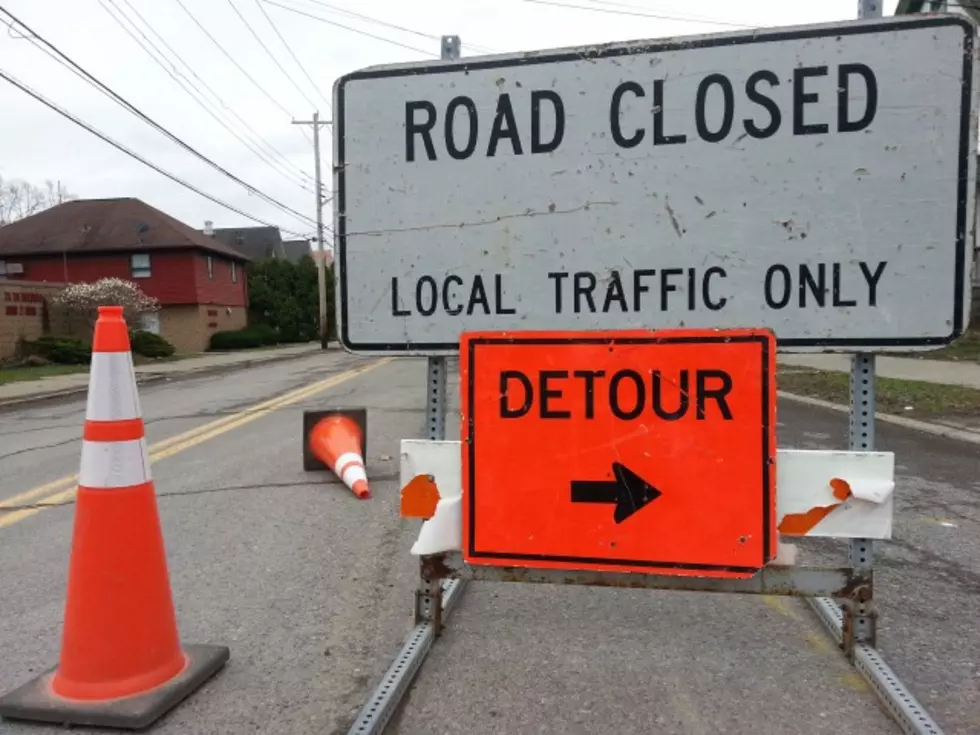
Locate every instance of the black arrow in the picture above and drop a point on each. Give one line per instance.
(628, 491)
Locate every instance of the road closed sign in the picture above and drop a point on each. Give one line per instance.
(630, 451)
(817, 181)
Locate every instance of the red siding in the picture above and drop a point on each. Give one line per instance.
(176, 277)
(73, 269)
(221, 290)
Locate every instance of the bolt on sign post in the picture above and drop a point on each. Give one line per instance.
(629, 451)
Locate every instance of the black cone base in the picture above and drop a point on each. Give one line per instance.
(36, 701)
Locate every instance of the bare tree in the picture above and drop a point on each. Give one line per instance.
(19, 199)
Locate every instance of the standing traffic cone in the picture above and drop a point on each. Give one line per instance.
(335, 439)
(121, 664)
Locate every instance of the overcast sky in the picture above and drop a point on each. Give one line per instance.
(38, 144)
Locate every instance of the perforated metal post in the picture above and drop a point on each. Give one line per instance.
(860, 617)
(428, 595)
(435, 401)
(433, 598)
(869, 9)
(451, 47)
(855, 623)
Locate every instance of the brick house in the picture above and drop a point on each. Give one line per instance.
(199, 281)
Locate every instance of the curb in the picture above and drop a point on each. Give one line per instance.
(943, 430)
(244, 365)
(148, 378)
(66, 393)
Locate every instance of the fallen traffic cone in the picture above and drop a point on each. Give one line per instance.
(121, 663)
(336, 440)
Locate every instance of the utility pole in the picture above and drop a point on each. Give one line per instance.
(321, 269)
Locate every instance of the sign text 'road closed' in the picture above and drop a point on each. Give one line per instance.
(639, 451)
(816, 181)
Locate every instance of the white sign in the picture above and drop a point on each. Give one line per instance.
(816, 180)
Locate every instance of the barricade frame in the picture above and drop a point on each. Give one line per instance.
(853, 623)
(841, 596)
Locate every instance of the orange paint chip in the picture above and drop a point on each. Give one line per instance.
(842, 490)
(800, 524)
(419, 497)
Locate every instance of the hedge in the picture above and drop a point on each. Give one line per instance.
(257, 335)
(71, 351)
(149, 344)
(62, 350)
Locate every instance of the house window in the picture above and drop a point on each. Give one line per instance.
(234, 272)
(210, 268)
(139, 265)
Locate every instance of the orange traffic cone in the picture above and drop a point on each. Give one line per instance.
(121, 664)
(336, 440)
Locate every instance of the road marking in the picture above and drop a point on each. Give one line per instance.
(63, 489)
(63, 482)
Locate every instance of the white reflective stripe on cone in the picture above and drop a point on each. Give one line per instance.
(345, 459)
(114, 464)
(352, 474)
(112, 394)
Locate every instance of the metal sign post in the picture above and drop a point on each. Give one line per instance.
(434, 598)
(860, 621)
(855, 622)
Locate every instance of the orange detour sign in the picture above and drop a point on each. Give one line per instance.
(627, 451)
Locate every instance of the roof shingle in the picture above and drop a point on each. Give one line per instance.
(104, 225)
(253, 242)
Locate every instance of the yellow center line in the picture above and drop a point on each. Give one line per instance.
(68, 480)
(63, 490)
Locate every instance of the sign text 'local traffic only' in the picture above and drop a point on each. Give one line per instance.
(630, 451)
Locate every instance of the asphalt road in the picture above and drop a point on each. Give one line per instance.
(312, 589)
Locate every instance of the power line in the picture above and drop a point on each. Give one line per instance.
(269, 53)
(67, 62)
(132, 154)
(214, 94)
(237, 65)
(290, 50)
(635, 14)
(386, 24)
(280, 166)
(648, 9)
(180, 79)
(348, 28)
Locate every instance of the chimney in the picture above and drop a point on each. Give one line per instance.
(208, 227)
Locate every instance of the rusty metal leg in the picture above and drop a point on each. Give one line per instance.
(428, 603)
(383, 702)
(854, 625)
(434, 597)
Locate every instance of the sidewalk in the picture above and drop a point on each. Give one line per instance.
(942, 372)
(66, 385)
